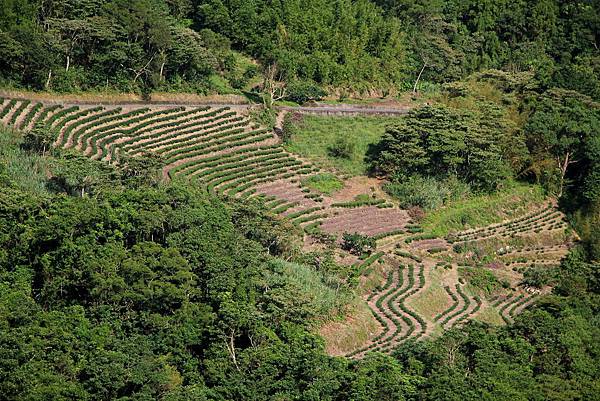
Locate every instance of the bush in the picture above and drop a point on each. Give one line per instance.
(426, 192)
(358, 244)
(324, 183)
(302, 92)
(342, 148)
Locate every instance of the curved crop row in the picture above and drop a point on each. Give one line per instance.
(40, 120)
(18, 111)
(466, 304)
(83, 134)
(30, 115)
(452, 307)
(192, 166)
(7, 108)
(207, 165)
(170, 130)
(246, 171)
(284, 173)
(201, 150)
(268, 174)
(358, 269)
(105, 136)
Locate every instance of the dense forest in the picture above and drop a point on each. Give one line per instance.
(116, 283)
(196, 45)
(141, 290)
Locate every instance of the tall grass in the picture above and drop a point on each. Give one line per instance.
(315, 135)
(482, 210)
(319, 293)
(20, 168)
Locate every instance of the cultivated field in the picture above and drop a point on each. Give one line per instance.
(425, 285)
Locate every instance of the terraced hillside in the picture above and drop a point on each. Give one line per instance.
(425, 287)
(422, 286)
(215, 146)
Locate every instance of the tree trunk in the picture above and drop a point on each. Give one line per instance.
(418, 78)
(563, 171)
(48, 80)
(68, 63)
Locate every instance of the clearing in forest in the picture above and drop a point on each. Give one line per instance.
(423, 277)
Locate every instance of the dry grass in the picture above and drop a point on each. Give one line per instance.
(432, 300)
(351, 333)
(116, 98)
(490, 315)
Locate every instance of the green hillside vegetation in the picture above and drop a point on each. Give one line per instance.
(184, 246)
(338, 142)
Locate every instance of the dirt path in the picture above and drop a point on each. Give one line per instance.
(234, 104)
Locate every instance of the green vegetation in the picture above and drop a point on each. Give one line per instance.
(482, 210)
(324, 183)
(314, 136)
(116, 283)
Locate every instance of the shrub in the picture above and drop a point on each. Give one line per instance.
(426, 192)
(324, 183)
(342, 148)
(358, 244)
(303, 91)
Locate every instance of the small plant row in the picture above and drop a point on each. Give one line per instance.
(409, 312)
(182, 137)
(170, 129)
(85, 133)
(238, 164)
(284, 207)
(18, 112)
(313, 218)
(114, 142)
(102, 138)
(72, 115)
(388, 234)
(404, 254)
(218, 145)
(507, 306)
(466, 304)
(40, 120)
(191, 167)
(249, 171)
(224, 161)
(83, 123)
(455, 303)
(85, 130)
(246, 183)
(419, 237)
(58, 116)
(473, 311)
(7, 108)
(313, 228)
(358, 269)
(219, 137)
(359, 203)
(525, 223)
(524, 303)
(531, 249)
(396, 305)
(303, 212)
(30, 115)
(396, 288)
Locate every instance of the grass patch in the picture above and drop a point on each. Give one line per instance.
(433, 300)
(489, 315)
(315, 135)
(18, 167)
(345, 336)
(483, 210)
(324, 183)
